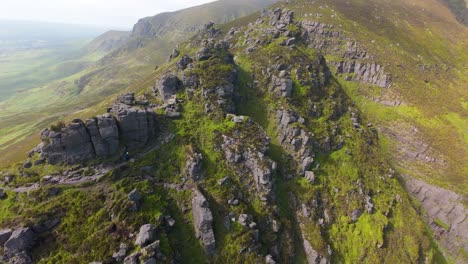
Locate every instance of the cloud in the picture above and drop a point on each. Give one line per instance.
(107, 13)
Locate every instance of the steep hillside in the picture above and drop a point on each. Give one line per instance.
(23, 116)
(276, 138)
(109, 41)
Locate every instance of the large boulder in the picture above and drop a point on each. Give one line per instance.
(21, 240)
(146, 235)
(167, 86)
(203, 222)
(72, 144)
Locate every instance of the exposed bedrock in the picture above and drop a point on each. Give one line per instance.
(203, 222)
(446, 214)
(126, 125)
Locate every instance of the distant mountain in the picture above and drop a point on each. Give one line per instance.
(109, 41)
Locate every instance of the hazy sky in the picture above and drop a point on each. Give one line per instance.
(106, 13)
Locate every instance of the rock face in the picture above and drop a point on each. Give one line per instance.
(448, 218)
(370, 73)
(356, 64)
(20, 242)
(100, 137)
(203, 222)
(296, 140)
(248, 157)
(137, 126)
(71, 145)
(104, 134)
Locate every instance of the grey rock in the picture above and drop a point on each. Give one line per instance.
(184, 62)
(46, 225)
(310, 176)
(145, 236)
(127, 99)
(203, 222)
(104, 133)
(2, 194)
(20, 258)
(133, 258)
(446, 206)
(152, 250)
(150, 261)
(355, 214)
(137, 126)
(20, 240)
(193, 166)
(121, 253)
(167, 86)
(269, 260)
(313, 257)
(175, 53)
(134, 195)
(27, 165)
(281, 86)
(71, 145)
(5, 234)
(243, 218)
(39, 162)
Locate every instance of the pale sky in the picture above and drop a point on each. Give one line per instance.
(118, 14)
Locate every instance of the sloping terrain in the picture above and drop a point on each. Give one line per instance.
(281, 137)
(24, 115)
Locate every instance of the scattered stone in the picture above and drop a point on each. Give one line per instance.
(281, 86)
(269, 260)
(243, 218)
(133, 258)
(310, 176)
(355, 214)
(233, 201)
(193, 166)
(145, 235)
(223, 181)
(169, 221)
(184, 62)
(2, 194)
(27, 165)
(134, 195)
(120, 255)
(275, 226)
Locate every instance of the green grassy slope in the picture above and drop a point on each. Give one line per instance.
(25, 114)
(392, 232)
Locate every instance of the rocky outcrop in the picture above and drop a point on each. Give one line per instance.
(167, 86)
(184, 62)
(446, 214)
(370, 72)
(248, 157)
(18, 245)
(297, 140)
(356, 63)
(203, 222)
(104, 134)
(137, 126)
(100, 137)
(71, 144)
